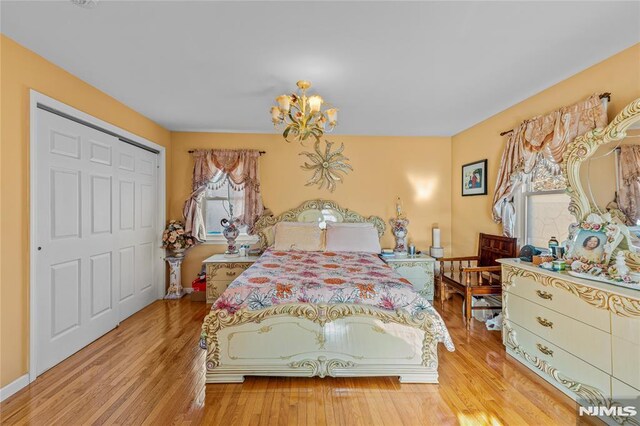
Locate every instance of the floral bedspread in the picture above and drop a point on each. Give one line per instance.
(280, 277)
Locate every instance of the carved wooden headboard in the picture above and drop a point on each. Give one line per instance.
(319, 211)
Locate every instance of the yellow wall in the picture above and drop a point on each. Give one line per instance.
(21, 70)
(619, 74)
(414, 168)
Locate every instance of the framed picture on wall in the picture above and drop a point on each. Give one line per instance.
(474, 178)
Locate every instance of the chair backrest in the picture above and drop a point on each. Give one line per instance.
(492, 247)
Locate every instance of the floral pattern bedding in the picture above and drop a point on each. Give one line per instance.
(283, 277)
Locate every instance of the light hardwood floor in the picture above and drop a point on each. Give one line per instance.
(150, 370)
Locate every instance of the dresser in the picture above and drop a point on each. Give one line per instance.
(419, 270)
(221, 270)
(581, 336)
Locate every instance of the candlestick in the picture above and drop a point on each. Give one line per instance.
(436, 251)
(399, 208)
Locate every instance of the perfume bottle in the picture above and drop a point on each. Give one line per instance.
(553, 245)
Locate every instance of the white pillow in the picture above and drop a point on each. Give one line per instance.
(303, 236)
(352, 237)
(349, 225)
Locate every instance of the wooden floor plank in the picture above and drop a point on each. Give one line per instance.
(150, 371)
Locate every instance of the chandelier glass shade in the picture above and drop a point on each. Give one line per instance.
(302, 115)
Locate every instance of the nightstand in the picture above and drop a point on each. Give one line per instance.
(221, 270)
(419, 270)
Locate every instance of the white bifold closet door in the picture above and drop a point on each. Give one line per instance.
(96, 235)
(136, 224)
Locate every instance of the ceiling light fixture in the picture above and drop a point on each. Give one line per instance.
(302, 115)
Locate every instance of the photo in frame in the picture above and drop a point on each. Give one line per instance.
(474, 178)
(589, 245)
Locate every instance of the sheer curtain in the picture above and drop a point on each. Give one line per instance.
(218, 190)
(545, 138)
(629, 192)
(216, 167)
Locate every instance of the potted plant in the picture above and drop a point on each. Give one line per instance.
(175, 240)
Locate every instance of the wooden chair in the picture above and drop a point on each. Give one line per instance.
(480, 280)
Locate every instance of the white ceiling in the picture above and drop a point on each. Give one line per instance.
(410, 68)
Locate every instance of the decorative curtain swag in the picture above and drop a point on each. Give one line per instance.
(215, 167)
(542, 138)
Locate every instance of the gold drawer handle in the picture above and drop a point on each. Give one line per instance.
(545, 322)
(544, 295)
(230, 274)
(545, 350)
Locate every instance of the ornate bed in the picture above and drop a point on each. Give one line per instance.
(303, 338)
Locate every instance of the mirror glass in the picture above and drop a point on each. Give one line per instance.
(600, 174)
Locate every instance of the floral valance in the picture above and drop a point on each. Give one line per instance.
(240, 166)
(545, 138)
(214, 167)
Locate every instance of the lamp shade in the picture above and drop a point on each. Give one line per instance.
(275, 114)
(315, 102)
(332, 115)
(284, 103)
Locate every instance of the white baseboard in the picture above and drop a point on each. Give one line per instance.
(14, 387)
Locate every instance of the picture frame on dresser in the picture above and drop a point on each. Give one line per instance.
(590, 245)
(596, 239)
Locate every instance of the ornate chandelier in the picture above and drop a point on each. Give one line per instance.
(303, 116)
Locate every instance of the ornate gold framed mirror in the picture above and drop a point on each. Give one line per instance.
(601, 245)
(598, 143)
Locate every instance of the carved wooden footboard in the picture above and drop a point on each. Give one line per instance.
(342, 340)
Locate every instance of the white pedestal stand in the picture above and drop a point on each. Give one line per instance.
(175, 276)
(436, 252)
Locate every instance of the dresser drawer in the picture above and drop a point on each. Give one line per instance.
(220, 275)
(415, 269)
(421, 284)
(627, 328)
(626, 361)
(626, 348)
(568, 366)
(215, 288)
(626, 395)
(560, 300)
(584, 341)
(419, 274)
(226, 271)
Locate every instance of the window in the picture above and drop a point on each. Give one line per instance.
(216, 206)
(543, 207)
